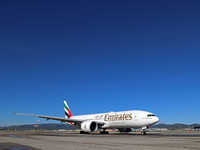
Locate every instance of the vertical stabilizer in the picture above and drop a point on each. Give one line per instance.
(68, 113)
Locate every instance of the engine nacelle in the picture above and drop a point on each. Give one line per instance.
(89, 126)
(125, 129)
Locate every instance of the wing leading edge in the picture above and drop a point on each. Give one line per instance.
(77, 121)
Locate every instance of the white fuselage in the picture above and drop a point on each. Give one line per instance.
(122, 119)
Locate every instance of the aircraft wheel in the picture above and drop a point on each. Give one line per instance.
(82, 132)
(104, 132)
(143, 133)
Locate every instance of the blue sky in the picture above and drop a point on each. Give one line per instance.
(100, 56)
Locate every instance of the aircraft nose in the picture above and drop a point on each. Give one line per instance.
(156, 119)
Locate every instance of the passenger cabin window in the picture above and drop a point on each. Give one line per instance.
(149, 115)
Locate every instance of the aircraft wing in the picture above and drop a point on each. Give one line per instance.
(53, 118)
(78, 121)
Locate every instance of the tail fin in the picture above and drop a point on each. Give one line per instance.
(68, 113)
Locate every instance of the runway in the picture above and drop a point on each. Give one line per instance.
(29, 140)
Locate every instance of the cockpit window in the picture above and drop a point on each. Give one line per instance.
(149, 115)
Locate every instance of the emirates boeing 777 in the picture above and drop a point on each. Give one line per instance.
(122, 120)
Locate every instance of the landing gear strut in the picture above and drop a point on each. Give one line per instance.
(104, 132)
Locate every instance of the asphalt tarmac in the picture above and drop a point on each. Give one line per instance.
(29, 140)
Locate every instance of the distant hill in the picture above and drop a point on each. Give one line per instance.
(57, 126)
(175, 126)
(48, 126)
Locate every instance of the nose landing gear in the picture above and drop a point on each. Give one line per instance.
(144, 129)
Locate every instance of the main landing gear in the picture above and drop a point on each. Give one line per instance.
(104, 132)
(82, 132)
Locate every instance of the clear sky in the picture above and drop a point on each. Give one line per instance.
(100, 56)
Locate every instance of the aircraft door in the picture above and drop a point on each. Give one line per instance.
(135, 117)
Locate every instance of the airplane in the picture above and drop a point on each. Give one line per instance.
(122, 120)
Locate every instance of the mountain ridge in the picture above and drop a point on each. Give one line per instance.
(57, 126)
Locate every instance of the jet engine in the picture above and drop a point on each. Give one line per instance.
(89, 126)
(125, 129)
